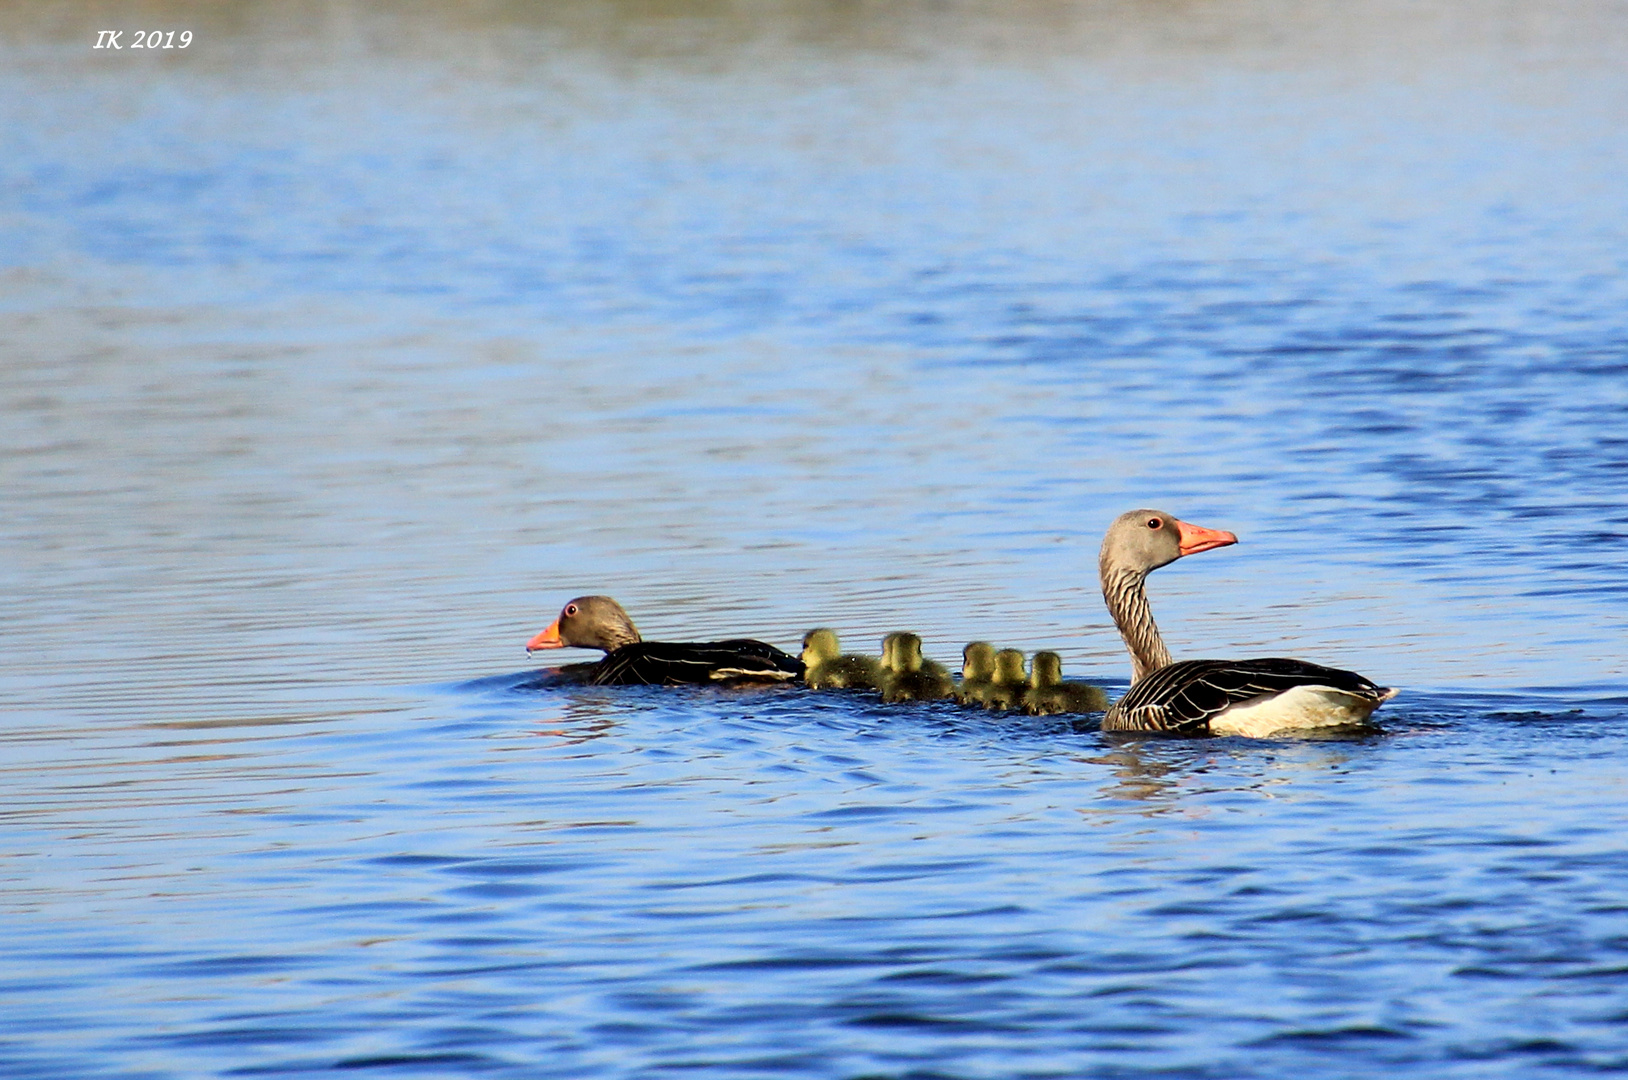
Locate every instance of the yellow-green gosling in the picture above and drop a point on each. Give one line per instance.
(912, 678)
(890, 652)
(827, 669)
(1010, 681)
(1049, 694)
(977, 673)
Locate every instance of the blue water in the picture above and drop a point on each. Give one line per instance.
(339, 350)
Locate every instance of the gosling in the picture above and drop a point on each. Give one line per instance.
(826, 668)
(977, 673)
(911, 677)
(1010, 682)
(1048, 694)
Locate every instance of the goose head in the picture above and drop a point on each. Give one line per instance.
(588, 622)
(1141, 541)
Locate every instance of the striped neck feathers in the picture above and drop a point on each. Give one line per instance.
(1126, 595)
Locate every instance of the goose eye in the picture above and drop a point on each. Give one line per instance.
(1154, 523)
(570, 609)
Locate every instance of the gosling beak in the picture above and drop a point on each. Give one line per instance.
(548, 639)
(1196, 538)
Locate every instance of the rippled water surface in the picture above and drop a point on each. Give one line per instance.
(339, 349)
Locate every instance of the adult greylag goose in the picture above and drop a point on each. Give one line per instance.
(598, 622)
(977, 673)
(1009, 683)
(1048, 694)
(1218, 697)
(911, 677)
(826, 668)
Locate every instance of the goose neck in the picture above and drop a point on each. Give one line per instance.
(1125, 592)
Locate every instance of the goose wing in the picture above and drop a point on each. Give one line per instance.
(674, 662)
(1184, 696)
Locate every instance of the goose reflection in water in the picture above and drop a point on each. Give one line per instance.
(1163, 777)
(581, 717)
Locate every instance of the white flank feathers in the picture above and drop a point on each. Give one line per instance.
(1297, 709)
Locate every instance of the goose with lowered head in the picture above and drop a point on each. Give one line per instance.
(1218, 697)
(598, 622)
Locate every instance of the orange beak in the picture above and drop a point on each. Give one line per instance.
(1196, 538)
(548, 639)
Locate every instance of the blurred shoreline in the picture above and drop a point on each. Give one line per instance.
(503, 37)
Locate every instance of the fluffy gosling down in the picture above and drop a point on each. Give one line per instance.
(828, 669)
(1048, 694)
(1010, 681)
(907, 675)
(977, 673)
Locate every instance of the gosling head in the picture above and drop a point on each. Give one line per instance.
(1046, 670)
(907, 654)
(978, 660)
(820, 646)
(1009, 666)
(890, 651)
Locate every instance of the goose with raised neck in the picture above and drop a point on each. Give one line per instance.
(1257, 697)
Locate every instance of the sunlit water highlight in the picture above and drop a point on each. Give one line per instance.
(341, 349)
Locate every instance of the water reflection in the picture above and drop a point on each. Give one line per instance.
(581, 718)
(1137, 776)
(1168, 774)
